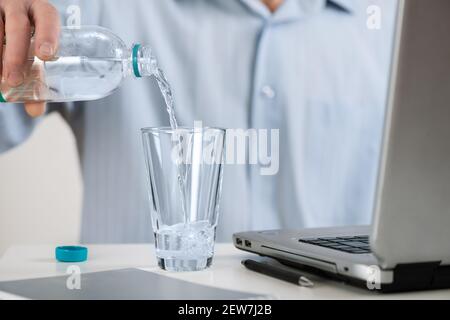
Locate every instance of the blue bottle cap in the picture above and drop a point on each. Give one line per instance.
(71, 254)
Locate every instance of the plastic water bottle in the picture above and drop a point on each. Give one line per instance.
(91, 63)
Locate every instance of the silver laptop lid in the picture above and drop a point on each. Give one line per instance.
(412, 210)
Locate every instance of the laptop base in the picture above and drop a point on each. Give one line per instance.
(407, 277)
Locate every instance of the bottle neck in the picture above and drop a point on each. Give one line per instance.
(142, 62)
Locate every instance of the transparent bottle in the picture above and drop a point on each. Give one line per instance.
(91, 62)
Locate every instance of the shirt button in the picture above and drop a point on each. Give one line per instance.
(268, 92)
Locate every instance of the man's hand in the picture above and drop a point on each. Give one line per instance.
(18, 18)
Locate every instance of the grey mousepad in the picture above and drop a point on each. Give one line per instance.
(127, 284)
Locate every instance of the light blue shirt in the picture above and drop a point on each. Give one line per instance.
(312, 69)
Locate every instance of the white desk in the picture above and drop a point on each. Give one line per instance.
(23, 262)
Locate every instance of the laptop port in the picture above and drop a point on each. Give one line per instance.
(248, 244)
(238, 242)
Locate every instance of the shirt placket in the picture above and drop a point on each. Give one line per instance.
(264, 115)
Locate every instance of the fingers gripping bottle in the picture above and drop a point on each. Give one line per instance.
(91, 63)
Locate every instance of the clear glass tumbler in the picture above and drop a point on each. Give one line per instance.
(184, 169)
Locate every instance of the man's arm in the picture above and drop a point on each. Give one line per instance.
(15, 126)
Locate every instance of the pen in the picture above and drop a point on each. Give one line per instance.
(278, 272)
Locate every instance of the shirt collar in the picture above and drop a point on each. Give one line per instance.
(296, 9)
(345, 5)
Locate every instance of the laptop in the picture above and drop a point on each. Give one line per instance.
(407, 246)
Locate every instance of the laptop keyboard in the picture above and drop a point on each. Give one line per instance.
(351, 244)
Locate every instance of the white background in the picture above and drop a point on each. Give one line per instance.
(40, 188)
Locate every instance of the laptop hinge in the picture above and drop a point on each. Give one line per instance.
(416, 276)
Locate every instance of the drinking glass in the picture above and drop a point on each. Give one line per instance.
(184, 170)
